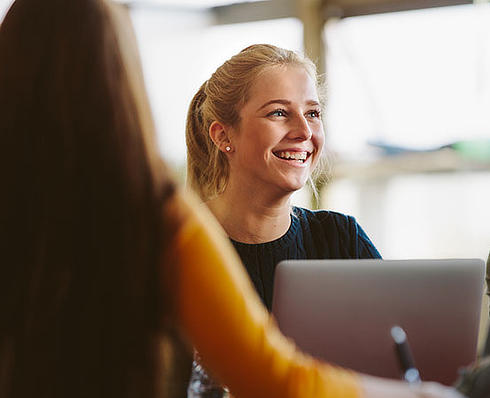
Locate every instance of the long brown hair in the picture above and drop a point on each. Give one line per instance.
(82, 312)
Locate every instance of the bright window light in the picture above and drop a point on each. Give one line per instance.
(419, 78)
(198, 4)
(4, 6)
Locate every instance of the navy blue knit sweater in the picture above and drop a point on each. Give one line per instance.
(312, 235)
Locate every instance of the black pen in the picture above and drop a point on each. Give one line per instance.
(410, 372)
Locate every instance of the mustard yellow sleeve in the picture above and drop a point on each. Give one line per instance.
(221, 315)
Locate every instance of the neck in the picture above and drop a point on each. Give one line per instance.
(248, 216)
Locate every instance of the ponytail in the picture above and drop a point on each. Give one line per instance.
(207, 167)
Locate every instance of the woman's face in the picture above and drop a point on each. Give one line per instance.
(280, 135)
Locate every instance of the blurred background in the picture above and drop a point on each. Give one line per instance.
(408, 104)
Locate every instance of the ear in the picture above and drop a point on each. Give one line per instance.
(219, 135)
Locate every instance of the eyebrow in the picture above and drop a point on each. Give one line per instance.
(286, 102)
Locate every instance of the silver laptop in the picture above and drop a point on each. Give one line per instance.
(343, 310)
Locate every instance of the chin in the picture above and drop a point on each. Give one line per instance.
(289, 185)
(293, 187)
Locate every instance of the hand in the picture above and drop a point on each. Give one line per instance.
(435, 390)
(375, 387)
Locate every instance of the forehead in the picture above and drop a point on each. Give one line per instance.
(291, 83)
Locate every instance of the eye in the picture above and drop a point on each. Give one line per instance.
(315, 114)
(278, 113)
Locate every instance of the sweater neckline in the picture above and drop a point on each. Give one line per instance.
(282, 241)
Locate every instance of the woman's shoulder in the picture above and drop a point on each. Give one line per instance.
(336, 230)
(324, 217)
(332, 225)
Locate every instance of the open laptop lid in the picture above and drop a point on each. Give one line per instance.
(342, 311)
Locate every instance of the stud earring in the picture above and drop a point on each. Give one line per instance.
(228, 148)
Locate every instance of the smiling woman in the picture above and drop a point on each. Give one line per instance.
(254, 137)
(278, 141)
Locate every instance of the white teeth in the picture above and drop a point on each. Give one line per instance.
(293, 155)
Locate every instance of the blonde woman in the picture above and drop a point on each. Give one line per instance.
(254, 137)
(108, 273)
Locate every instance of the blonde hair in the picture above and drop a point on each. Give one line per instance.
(220, 99)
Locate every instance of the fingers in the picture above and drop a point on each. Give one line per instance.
(435, 390)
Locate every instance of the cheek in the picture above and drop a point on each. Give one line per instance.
(265, 138)
(319, 140)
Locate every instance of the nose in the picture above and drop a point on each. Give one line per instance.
(300, 129)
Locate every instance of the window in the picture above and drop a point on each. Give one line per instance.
(418, 79)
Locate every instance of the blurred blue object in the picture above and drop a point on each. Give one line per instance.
(472, 149)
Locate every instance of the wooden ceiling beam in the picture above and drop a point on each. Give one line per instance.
(350, 8)
(275, 9)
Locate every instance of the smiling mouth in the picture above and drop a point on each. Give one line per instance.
(298, 157)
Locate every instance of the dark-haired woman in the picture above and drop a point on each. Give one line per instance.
(106, 269)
